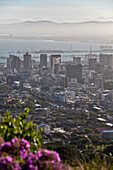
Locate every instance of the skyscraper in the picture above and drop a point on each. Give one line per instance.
(43, 60)
(74, 71)
(54, 59)
(13, 62)
(9, 61)
(92, 63)
(106, 59)
(27, 61)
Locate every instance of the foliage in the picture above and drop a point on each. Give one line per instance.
(16, 155)
(11, 128)
(68, 153)
(99, 162)
(89, 131)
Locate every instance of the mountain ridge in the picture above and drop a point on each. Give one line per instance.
(84, 31)
(53, 22)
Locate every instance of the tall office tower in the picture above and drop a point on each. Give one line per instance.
(54, 59)
(9, 61)
(106, 59)
(74, 71)
(13, 62)
(27, 61)
(77, 60)
(43, 60)
(92, 63)
(56, 68)
(16, 63)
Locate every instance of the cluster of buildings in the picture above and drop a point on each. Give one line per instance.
(64, 81)
(76, 82)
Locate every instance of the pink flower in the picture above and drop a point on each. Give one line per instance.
(9, 159)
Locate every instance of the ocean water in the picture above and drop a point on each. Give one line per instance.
(11, 46)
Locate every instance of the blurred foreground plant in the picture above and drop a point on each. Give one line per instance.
(18, 127)
(16, 155)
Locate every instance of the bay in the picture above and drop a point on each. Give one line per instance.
(12, 46)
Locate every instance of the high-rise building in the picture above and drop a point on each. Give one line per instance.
(77, 60)
(9, 61)
(43, 60)
(92, 63)
(13, 62)
(56, 68)
(106, 59)
(54, 59)
(16, 63)
(74, 71)
(27, 61)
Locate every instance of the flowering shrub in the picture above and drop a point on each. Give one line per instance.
(44, 159)
(9, 163)
(16, 155)
(11, 128)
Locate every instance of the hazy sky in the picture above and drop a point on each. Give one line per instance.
(56, 10)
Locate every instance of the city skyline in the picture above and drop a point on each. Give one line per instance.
(56, 10)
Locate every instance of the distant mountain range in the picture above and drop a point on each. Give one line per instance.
(52, 22)
(83, 31)
(48, 21)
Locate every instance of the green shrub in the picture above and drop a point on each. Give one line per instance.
(18, 127)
